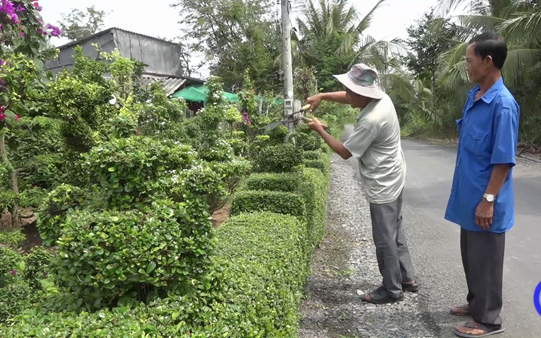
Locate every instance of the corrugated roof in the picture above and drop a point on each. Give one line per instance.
(109, 30)
(170, 84)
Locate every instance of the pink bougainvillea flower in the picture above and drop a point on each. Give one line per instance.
(17, 117)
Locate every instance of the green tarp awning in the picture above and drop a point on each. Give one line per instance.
(199, 94)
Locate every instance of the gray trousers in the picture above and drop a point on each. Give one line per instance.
(482, 257)
(391, 249)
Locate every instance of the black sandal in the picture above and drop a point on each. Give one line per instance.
(410, 287)
(380, 296)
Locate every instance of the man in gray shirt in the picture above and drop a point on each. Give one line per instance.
(375, 143)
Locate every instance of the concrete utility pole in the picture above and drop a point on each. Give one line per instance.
(288, 63)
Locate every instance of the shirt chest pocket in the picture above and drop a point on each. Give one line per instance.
(477, 142)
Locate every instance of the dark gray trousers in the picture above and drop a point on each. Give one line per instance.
(482, 257)
(391, 248)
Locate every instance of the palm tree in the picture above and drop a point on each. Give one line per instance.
(331, 37)
(519, 22)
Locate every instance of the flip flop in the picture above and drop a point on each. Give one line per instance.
(486, 330)
(465, 313)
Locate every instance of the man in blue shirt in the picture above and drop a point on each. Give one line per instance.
(481, 199)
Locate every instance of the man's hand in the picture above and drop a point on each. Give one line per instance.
(314, 101)
(483, 214)
(316, 125)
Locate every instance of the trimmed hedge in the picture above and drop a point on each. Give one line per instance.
(113, 255)
(254, 290)
(323, 162)
(312, 155)
(315, 190)
(278, 159)
(287, 182)
(274, 201)
(265, 268)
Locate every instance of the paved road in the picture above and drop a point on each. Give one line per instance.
(434, 242)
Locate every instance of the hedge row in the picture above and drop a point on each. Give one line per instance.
(255, 290)
(254, 286)
(280, 202)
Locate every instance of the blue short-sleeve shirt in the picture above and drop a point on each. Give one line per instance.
(488, 135)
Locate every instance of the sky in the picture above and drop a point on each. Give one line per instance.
(157, 18)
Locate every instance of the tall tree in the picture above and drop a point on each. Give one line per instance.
(428, 39)
(519, 22)
(234, 35)
(332, 37)
(79, 24)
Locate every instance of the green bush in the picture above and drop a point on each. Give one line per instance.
(274, 201)
(315, 189)
(312, 155)
(11, 263)
(37, 266)
(323, 166)
(11, 237)
(278, 159)
(128, 170)
(58, 204)
(264, 271)
(306, 139)
(278, 136)
(110, 256)
(16, 297)
(288, 182)
(118, 322)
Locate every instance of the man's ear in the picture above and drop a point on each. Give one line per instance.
(489, 60)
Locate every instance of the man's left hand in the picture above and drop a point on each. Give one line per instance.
(316, 125)
(483, 214)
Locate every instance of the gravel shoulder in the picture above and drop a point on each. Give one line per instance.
(345, 266)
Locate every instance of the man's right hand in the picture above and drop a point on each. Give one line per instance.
(314, 101)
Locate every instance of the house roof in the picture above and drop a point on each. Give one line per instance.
(108, 30)
(170, 84)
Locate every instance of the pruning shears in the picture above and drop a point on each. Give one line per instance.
(293, 117)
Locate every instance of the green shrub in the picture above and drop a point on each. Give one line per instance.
(212, 182)
(61, 201)
(127, 170)
(11, 264)
(264, 270)
(110, 256)
(318, 164)
(274, 201)
(278, 159)
(306, 139)
(16, 297)
(11, 237)
(312, 155)
(278, 135)
(118, 322)
(315, 189)
(288, 182)
(37, 265)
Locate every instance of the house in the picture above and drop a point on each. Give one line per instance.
(161, 58)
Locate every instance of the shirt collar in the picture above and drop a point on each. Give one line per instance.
(491, 93)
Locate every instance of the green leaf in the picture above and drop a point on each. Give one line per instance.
(150, 267)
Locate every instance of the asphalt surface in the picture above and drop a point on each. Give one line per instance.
(435, 247)
(434, 242)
